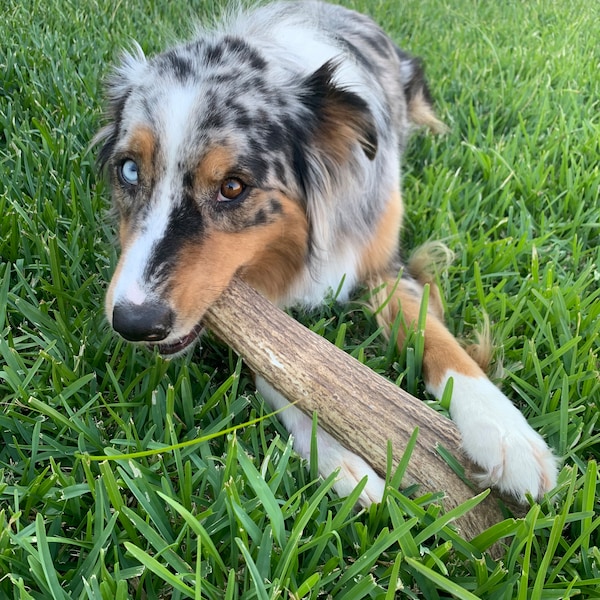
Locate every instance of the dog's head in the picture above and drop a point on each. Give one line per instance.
(213, 155)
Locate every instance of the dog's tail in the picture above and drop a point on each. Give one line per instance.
(417, 93)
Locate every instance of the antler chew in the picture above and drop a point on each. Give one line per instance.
(351, 401)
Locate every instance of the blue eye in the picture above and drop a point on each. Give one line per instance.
(128, 172)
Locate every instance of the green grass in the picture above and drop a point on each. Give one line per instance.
(513, 189)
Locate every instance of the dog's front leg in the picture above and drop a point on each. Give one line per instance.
(331, 454)
(495, 435)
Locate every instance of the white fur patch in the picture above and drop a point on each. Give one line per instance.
(333, 274)
(131, 285)
(497, 437)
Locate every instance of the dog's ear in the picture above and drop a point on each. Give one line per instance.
(125, 76)
(341, 117)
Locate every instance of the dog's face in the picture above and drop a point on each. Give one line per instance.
(209, 156)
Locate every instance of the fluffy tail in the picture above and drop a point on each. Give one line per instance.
(418, 96)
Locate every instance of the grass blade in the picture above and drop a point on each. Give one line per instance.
(47, 562)
(265, 495)
(440, 581)
(259, 585)
(153, 565)
(194, 524)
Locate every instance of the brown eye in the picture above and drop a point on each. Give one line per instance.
(231, 189)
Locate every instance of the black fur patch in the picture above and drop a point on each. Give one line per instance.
(176, 64)
(245, 53)
(417, 82)
(185, 224)
(321, 94)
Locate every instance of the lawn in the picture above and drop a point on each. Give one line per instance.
(205, 506)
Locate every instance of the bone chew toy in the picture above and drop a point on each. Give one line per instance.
(352, 401)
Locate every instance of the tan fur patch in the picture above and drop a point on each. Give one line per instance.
(124, 233)
(342, 126)
(268, 257)
(143, 144)
(442, 350)
(276, 265)
(381, 249)
(214, 166)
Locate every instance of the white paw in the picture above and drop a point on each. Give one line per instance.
(497, 437)
(331, 454)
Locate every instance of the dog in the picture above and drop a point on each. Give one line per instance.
(269, 147)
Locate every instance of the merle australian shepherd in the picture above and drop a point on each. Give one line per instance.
(269, 147)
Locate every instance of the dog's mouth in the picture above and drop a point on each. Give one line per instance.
(183, 343)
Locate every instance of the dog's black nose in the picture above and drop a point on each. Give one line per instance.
(148, 322)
